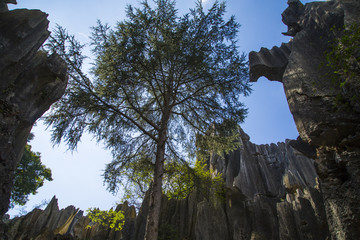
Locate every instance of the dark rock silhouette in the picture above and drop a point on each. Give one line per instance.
(30, 81)
(334, 132)
(4, 3)
(270, 63)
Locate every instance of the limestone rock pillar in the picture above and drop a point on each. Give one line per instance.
(30, 81)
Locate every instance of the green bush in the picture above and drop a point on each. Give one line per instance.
(110, 219)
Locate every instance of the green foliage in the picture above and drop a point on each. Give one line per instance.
(159, 81)
(344, 60)
(30, 175)
(220, 139)
(182, 179)
(134, 178)
(109, 219)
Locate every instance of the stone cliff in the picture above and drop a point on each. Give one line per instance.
(271, 193)
(30, 81)
(333, 131)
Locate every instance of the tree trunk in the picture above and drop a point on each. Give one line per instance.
(153, 218)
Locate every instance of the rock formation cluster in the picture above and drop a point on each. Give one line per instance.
(332, 130)
(30, 81)
(68, 223)
(271, 193)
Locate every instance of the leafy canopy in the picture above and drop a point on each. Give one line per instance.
(30, 175)
(158, 79)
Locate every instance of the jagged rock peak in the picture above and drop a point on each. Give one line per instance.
(68, 223)
(271, 194)
(291, 17)
(265, 169)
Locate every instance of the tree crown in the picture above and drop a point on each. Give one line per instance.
(30, 174)
(157, 78)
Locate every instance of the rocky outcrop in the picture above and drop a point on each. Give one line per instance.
(324, 124)
(271, 193)
(68, 223)
(270, 63)
(4, 3)
(310, 93)
(30, 81)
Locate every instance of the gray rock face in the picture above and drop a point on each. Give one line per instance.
(310, 94)
(266, 170)
(65, 223)
(321, 122)
(68, 223)
(30, 81)
(271, 193)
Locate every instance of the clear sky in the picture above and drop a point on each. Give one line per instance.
(77, 176)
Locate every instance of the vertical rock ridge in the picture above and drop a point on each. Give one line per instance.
(30, 81)
(331, 132)
(259, 202)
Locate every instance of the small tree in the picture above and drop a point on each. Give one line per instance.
(108, 219)
(30, 175)
(158, 81)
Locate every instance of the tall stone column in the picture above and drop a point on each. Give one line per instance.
(30, 81)
(334, 131)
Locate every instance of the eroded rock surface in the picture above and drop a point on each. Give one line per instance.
(68, 223)
(270, 63)
(321, 121)
(30, 81)
(271, 193)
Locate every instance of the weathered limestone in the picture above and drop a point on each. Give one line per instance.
(270, 63)
(271, 193)
(30, 81)
(68, 223)
(333, 130)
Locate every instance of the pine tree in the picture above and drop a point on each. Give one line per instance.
(158, 81)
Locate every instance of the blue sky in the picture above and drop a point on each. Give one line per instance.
(77, 175)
